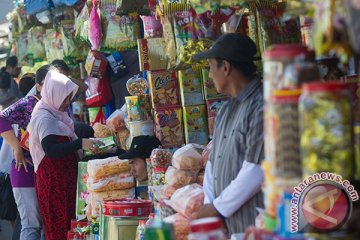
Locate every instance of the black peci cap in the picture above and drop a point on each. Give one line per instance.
(141, 147)
(233, 47)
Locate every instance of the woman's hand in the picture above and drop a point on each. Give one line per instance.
(91, 145)
(21, 160)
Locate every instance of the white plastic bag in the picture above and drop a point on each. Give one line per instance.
(188, 157)
(187, 200)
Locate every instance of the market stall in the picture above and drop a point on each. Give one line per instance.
(136, 59)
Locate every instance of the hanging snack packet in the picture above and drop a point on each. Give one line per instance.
(82, 24)
(125, 7)
(152, 27)
(330, 33)
(117, 64)
(252, 24)
(95, 33)
(353, 21)
(71, 49)
(96, 64)
(54, 46)
(274, 30)
(170, 46)
(121, 31)
(36, 49)
(153, 54)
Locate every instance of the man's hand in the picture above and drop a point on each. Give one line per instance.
(208, 210)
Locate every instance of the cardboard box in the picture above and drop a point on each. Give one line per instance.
(210, 91)
(195, 124)
(190, 87)
(169, 126)
(164, 89)
(152, 54)
(213, 107)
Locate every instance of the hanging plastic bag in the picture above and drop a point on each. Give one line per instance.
(59, 3)
(36, 6)
(116, 120)
(98, 92)
(95, 34)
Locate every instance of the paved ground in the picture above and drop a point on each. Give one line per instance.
(6, 230)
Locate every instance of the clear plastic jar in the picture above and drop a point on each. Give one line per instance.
(282, 138)
(206, 229)
(326, 129)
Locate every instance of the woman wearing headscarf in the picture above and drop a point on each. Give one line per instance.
(55, 149)
(21, 169)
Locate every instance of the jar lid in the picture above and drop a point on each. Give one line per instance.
(205, 224)
(286, 95)
(288, 50)
(160, 169)
(325, 86)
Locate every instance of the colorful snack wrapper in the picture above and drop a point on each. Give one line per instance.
(82, 193)
(190, 87)
(152, 27)
(121, 32)
(164, 89)
(195, 124)
(96, 64)
(138, 108)
(36, 48)
(169, 127)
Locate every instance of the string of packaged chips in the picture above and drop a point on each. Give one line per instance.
(136, 58)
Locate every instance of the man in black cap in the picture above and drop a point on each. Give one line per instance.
(140, 150)
(233, 176)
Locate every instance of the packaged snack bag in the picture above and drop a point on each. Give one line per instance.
(187, 200)
(107, 167)
(188, 157)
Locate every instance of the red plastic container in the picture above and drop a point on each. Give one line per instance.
(127, 208)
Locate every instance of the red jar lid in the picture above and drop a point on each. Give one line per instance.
(286, 96)
(160, 169)
(205, 224)
(288, 51)
(325, 86)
